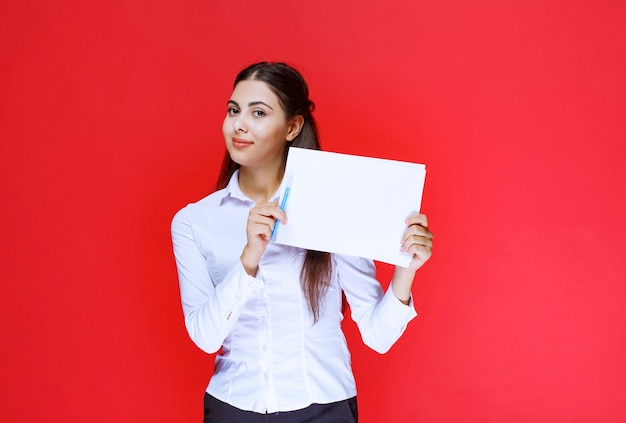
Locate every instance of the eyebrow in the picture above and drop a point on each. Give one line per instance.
(251, 104)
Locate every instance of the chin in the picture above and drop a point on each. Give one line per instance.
(241, 161)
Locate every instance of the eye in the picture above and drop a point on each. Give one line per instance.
(259, 113)
(232, 111)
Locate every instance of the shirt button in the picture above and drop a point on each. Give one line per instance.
(265, 376)
(264, 348)
(237, 298)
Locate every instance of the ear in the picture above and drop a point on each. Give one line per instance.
(294, 127)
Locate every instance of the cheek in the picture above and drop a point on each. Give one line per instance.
(225, 127)
(277, 133)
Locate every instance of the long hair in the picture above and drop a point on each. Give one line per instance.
(293, 94)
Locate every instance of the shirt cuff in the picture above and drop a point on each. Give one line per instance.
(395, 311)
(247, 285)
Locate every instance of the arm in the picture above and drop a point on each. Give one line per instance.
(211, 310)
(382, 318)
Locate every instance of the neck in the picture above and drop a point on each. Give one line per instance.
(260, 184)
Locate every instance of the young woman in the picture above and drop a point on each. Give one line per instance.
(274, 312)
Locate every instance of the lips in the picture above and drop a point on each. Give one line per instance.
(241, 143)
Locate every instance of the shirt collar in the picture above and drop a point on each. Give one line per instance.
(233, 190)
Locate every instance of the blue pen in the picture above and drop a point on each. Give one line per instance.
(283, 202)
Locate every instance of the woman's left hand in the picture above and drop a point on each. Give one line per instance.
(417, 240)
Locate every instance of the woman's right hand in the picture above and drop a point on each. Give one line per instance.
(261, 220)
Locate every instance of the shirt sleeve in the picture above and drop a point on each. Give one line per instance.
(380, 316)
(211, 310)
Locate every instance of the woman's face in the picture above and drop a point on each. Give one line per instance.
(256, 128)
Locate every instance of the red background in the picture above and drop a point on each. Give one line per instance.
(110, 117)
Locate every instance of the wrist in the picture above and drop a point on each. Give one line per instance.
(249, 261)
(401, 284)
(404, 275)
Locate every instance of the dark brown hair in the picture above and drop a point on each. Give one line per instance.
(293, 94)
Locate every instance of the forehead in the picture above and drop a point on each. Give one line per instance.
(251, 91)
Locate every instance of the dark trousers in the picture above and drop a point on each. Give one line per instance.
(216, 411)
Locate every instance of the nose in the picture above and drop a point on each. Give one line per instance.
(239, 124)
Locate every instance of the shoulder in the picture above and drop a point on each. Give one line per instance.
(199, 209)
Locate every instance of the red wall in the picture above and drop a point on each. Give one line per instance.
(110, 117)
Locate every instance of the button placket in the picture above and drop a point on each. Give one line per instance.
(263, 337)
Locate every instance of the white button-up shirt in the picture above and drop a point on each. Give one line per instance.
(273, 357)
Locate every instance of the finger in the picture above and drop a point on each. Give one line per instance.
(416, 230)
(416, 241)
(420, 252)
(261, 230)
(259, 219)
(421, 248)
(271, 210)
(417, 219)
